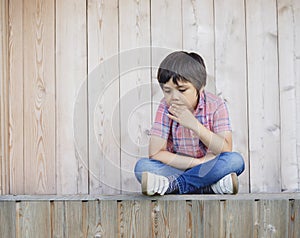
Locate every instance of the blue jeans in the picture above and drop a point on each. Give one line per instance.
(194, 180)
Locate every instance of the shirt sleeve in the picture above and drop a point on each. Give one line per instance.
(221, 121)
(162, 123)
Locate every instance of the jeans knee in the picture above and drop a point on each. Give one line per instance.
(140, 167)
(238, 162)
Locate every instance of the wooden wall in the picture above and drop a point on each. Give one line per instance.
(256, 216)
(79, 91)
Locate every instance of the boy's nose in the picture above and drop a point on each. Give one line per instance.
(175, 95)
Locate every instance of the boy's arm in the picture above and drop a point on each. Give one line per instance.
(158, 151)
(216, 143)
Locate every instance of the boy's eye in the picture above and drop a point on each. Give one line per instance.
(167, 91)
(182, 90)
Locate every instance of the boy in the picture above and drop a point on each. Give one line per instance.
(190, 149)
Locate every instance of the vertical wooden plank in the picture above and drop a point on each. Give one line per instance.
(71, 102)
(8, 219)
(73, 219)
(103, 88)
(34, 219)
(95, 228)
(160, 226)
(271, 218)
(4, 95)
(172, 219)
(57, 219)
(198, 34)
(16, 93)
(164, 39)
(143, 220)
(288, 108)
(294, 218)
(296, 5)
(212, 223)
(135, 87)
(238, 218)
(39, 97)
(134, 218)
(231, 74)
(196, 217)
(263, 96)
(109, 217)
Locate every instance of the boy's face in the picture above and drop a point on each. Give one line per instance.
(184, 93)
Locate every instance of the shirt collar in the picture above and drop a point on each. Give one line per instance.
(201, 102)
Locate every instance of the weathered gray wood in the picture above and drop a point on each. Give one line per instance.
(16, 95)
(109, 218)
(137, 196)
(8, 219)
(39, 97)
(137, 217)
(231, 74)
(297, 73)
(73, 219)
(94, 220)
(57, 219)
(170, 219)
(164, 39)
(195, 216)
(271, 218)
(71, 104)
(198, 34)
(135, 88)
(237, 218)
(134, 218)
(212, 224)
(288, 103)
(263, 94)
(33, 219)
(103, 97)
(294, 219)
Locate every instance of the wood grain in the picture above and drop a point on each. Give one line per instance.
(263, 96)
(71, 99)
(198, 34)
(296, 12)
(4, 96)
(57, 213)
(237, 219)
(103, 93)
(271, 218)
(33, 219)
(8, 219)
(16, 103)
(294, 218)
(39, 97)
(288, 107)
(164, 39)
(135, 88)
(231, 74)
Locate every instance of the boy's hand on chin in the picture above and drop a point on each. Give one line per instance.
(183, 115)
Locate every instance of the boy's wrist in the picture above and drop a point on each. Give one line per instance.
(196, 127)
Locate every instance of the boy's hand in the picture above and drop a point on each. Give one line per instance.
(182, 113)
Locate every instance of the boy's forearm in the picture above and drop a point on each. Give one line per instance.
(214, 142)
(180, 161)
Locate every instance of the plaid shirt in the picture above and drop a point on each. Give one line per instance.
(211, 111)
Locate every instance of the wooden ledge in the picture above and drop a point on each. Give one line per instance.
(137, 196)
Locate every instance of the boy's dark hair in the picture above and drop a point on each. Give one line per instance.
(181, 65)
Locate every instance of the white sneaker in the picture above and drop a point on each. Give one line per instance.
(229, 184)
(154, 184)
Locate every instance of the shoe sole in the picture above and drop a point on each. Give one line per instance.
(235, 183)
(144, 183)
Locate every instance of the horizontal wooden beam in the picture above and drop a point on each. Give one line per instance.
(136, 196)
